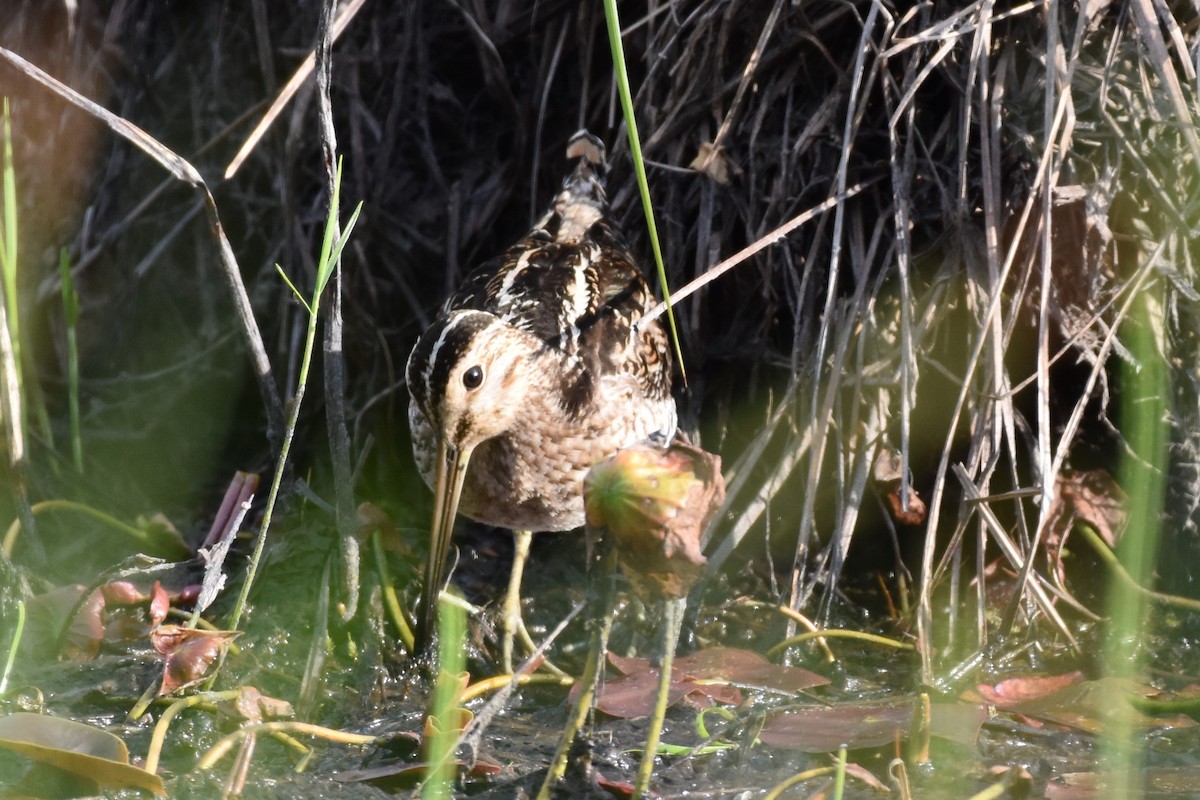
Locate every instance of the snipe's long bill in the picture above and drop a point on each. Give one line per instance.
(447, 490)
(535, 370)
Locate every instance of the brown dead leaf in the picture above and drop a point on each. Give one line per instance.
(713, 162)
(1092, 496)
(887, 472)
(251, 705)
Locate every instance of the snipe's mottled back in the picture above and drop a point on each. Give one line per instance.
(535, 370)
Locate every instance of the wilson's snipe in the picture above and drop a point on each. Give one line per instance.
(533, 372)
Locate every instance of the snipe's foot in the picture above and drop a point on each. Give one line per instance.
(512, 623)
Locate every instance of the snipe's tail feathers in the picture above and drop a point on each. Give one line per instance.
(587, 146)
(582, 200)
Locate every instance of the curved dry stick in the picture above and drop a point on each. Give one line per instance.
(182, 170)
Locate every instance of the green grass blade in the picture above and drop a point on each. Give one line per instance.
(70, 301)
(295, 292)
(9, 256)
(344, 238)
(639, 167)
(328, 260)
(1144, 415)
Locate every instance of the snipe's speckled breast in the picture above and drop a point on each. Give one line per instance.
(531, 478)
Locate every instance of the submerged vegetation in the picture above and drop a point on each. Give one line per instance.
(934, 285)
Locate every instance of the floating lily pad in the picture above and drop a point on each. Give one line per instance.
(73, 747)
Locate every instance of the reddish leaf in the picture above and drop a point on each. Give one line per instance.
(86, 631)
(240, 490)
(186, 596)
(619, 789)
(887, 472)
(822, 729)
(1089, 706)
(160, 604)
(188, 652)
(1016, 690)
(122, 593)
(702, 678)
(633, 696)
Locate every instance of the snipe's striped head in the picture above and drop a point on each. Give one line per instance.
(468, 377)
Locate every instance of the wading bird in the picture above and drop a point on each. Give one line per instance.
(535, 370)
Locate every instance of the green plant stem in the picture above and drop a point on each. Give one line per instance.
(497, 682)
(159, 736)
(839, 775)
(143, 538)
(837, 633)
(390, 601)
(672, 621)
(585, 697)
(70, 300)
(11, 658)
(1125, 579)
(8, 263)
(224, 745)
(331, 250)
(800, 777)
(289, 431)
(1143, 423)
(639, 167)
(1001, 787)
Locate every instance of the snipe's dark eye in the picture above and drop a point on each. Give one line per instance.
(473, 377)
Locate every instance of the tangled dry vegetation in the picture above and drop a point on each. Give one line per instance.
(968, 327)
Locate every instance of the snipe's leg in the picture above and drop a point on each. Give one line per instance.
(511, 622)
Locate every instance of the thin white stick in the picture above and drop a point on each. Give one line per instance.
(743, 254)
(298, 79)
